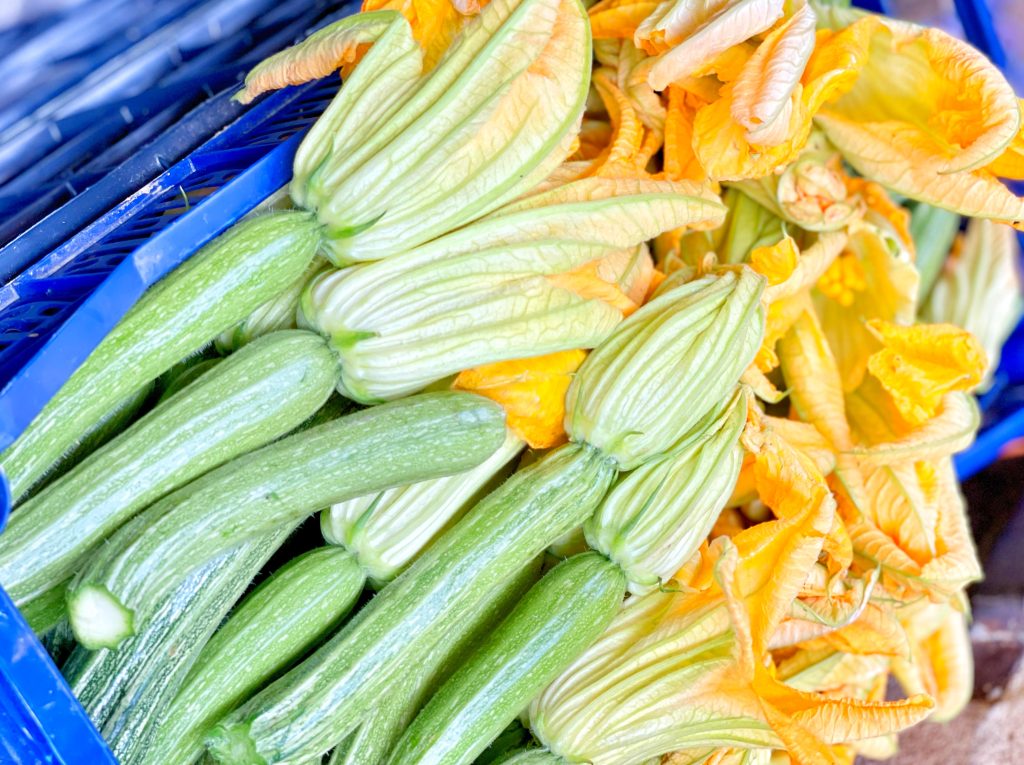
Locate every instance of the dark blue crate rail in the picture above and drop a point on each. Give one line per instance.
(39, 121)
(96, 141)
(54, 313)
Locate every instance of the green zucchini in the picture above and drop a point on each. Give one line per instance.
(188, 375)
(112, 423)
(44, 612)
(262, 392)
(556, 621)
(379, 732)
(214, 289)
(410, 440)
(126, 691)
(280, 312)
(532, 756)
(275, 625)
(320, 702)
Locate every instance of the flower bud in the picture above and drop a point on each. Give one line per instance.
(667, 366)
(658, 515)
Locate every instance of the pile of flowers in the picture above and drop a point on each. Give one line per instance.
(841, 560)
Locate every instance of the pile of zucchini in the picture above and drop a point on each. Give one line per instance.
(166, 541)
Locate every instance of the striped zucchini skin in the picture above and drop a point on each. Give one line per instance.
(267, 632)
(379, 732)
(44, 612)
(532, 757)
(317, 704)
(214, 289)
(402, 442)
(262, 392)
(125, 692)
(115, 421)
(556, 621)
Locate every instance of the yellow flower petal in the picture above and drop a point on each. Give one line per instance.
(928, 134)
(532, 392)
(920, 364)
(610, 19)
(690, 34)
(336, 45)
(435, 23)
(879, 202)
(1010, 164)
(873, 279)
(680, 161)
(777, 262)
(884, 438)
(762, 96)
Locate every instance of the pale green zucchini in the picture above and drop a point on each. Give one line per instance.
(115, 421)
(125, 691)
(214, 289)
(532, 757)
(556, 621)
(410, 440)
(44, 612)
(278, 313)
(320, 702)
(260, 393)
(275, 625)
(379, 732)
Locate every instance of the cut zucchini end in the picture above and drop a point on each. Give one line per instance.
(231, 744)
(98, 619)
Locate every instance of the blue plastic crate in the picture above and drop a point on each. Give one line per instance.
(90, 144)
(55, 312)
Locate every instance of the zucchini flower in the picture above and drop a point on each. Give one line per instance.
(657, 516)
(980, 289)
(402, 154)
(872, 279)
(927, 116)
(667, 367)
(940, 661)
(546, 274)
(387, 531)
(690, 669)
(914, 528)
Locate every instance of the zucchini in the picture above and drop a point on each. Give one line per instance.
(262, 392)
(532, 756)
(112, 423)
(217, 287)
(280, 312)
(125, 692)
(268, 631)
(45, 612)
(409, 440)
(320, 702)
(379, 732)
(556, 621)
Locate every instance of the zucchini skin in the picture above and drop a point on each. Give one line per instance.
(271, 628)
(532, 756)
(114, 422)
(262, 392)
(556, 621)
(381, 730)
(317, 704)
(410, 440)
(217, 287)
(125, 692)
